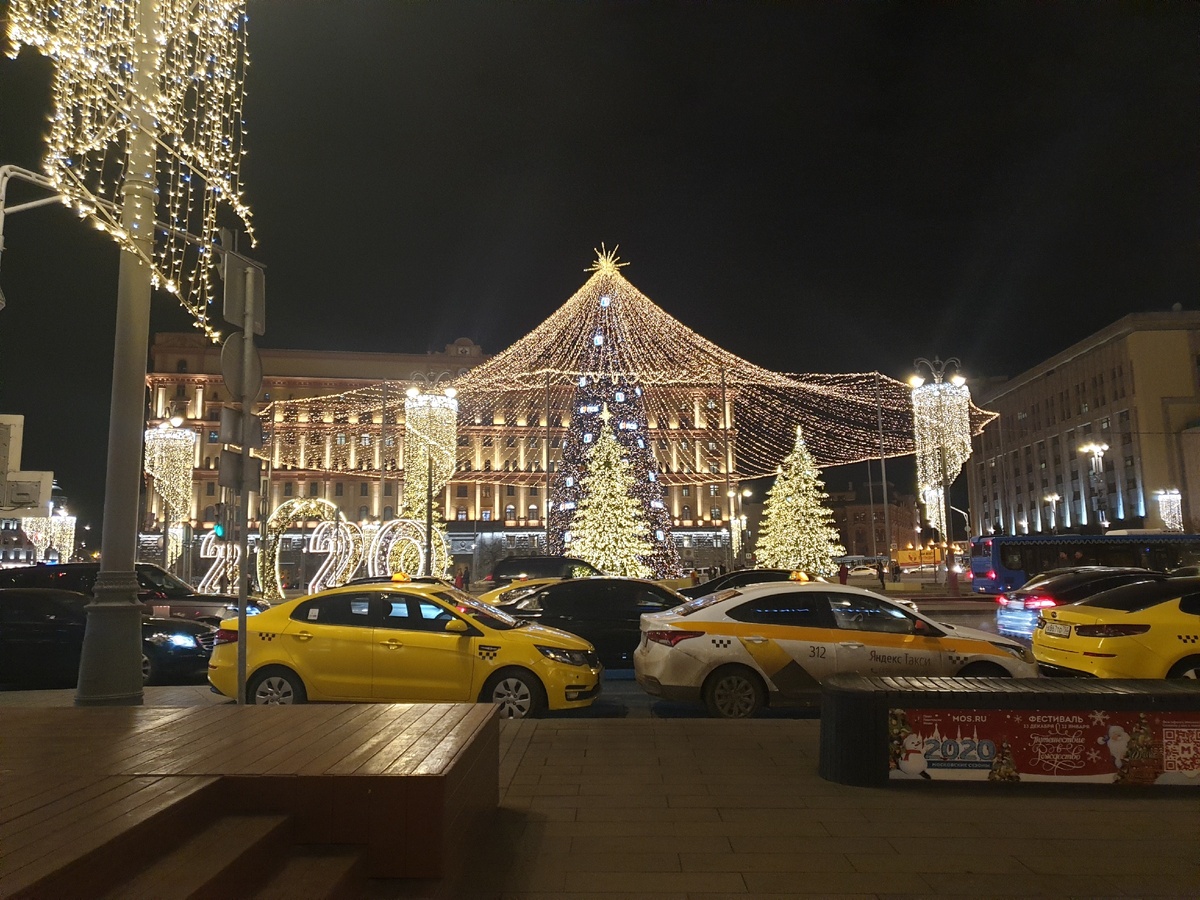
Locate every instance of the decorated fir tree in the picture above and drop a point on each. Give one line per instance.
(610, 529)
(797, 530)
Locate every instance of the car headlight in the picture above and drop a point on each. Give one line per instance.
(558, 654)
(1022, 653)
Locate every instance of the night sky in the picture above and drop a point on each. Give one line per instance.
(817, 187)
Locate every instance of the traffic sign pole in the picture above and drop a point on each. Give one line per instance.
(250, 393)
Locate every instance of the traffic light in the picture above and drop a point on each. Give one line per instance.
(220, 525)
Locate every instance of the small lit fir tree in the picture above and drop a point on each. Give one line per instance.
(798, 530)
(610, 529)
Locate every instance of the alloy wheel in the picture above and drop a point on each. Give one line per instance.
(513, 697)
(275, 690)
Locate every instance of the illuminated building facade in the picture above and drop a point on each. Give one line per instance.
(1130, 394)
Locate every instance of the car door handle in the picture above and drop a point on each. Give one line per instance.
(304, 635)
(852, 645)
(756, 640)
(392, 644)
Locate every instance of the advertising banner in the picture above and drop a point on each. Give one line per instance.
(1033, 745)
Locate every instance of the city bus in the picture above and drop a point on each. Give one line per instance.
(1001, 562)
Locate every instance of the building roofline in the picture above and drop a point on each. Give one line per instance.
(1171, 320)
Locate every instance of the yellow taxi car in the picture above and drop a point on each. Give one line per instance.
(772, 644)
(400, 641)
(1150, 629)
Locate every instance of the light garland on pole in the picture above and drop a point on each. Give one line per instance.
(941, 434)
(38, 529)
(1170, 509)
(170, 461)
(196, 111)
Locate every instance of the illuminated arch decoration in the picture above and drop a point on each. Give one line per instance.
(226, 566)
(342, 543)
(399, 546)
(194, 72)
(300, 510)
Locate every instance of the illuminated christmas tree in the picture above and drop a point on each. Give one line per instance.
(798, 530)
(610, 529)
(607, 400)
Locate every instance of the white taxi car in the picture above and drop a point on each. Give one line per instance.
(739, 650)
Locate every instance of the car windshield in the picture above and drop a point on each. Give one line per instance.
(482, 613)
(159, 580)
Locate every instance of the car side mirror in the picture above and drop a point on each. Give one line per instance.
(920, 626)
(458, 626)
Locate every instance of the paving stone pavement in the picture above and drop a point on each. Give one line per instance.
(696, 808)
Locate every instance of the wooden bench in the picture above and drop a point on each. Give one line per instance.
(85, 791)
(1079, 730)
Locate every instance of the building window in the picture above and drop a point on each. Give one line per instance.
(210, 489)
(715, 512)
(712, 490)
(366, 440)
(533, 511)
(510, 512)
(686, 490)
(687, 512)
(338, 489)
(287, 489)
(313, 488)
(387, 489)
(364, 489)
(363, 512)
(533, 492)
(487, 515)
(388, 513)
(460, 490)
(214, 437)
(510, 491)
(460, 513)
(340, 439)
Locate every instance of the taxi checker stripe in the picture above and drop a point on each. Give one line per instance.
(880, 639)
(1189, 638)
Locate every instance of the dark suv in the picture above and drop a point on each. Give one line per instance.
(159, 588)
(512, 568)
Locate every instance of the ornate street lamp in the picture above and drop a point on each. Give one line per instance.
(1052, 500)
(1096, 479)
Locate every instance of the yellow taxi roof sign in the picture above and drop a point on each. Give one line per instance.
(798, 576)
(400, 577)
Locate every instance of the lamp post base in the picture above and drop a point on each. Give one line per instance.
(110, 671)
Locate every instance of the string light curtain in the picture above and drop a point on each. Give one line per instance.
(429, 446)
(942, 433)
(170, 460)
(198, 61)
(1170, 509)
(693, 393)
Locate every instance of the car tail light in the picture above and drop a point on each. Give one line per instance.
(1106, 631)
(991, 574)
(226, 636)
(671, 637)
(1002, 599)
(1040, 602)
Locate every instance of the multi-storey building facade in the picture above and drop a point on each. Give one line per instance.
(1094, 436)
(496, 498)
(858, 511)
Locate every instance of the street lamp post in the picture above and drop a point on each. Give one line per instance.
(1097, 449)
(1052, 500)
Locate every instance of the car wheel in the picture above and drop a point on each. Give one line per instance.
(734, 692)
(518, 693)
(275, 686)
(1186, 668)
(983, 670)
(148, 670)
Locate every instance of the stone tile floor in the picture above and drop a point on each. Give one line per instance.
(695, 808)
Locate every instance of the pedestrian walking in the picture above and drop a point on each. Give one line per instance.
(896, 571)
(843, 573)
(881, 575)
